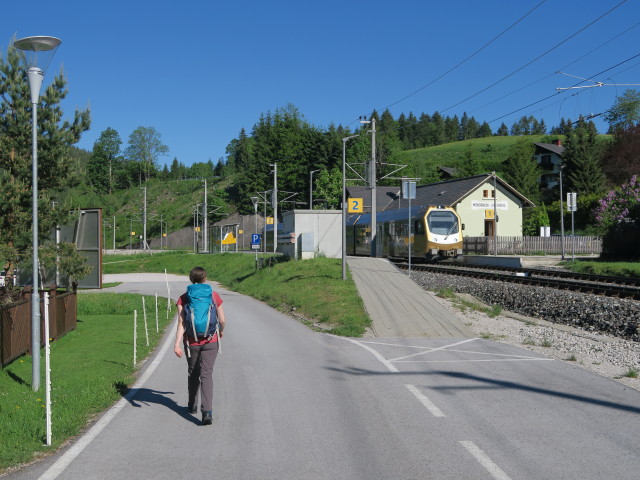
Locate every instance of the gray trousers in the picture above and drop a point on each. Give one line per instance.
(201, 363)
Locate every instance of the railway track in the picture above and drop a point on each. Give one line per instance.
(620, 287)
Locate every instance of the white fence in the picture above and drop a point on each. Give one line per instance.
(532, 245)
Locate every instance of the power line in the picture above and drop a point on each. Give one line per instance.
(558, 93)
(553, 73)
(537, 58)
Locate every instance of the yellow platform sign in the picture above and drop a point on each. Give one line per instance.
(355, 205)
(229, 239)
(269, 220)
(488, 214)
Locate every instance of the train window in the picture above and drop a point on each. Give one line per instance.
(442, 222)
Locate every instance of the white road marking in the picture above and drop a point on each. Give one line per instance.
(70, 455)
(494, 470)
(435, 411)
(479, 360)
(444, 347)
(380, 358)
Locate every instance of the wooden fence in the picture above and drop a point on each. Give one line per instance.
(532, 245)
(15, 322)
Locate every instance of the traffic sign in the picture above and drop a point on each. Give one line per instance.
(255, 238)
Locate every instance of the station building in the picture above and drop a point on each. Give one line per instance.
(474, 198)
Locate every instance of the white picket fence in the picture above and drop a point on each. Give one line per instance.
(580, 245)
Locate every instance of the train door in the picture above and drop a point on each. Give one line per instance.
(380, 238)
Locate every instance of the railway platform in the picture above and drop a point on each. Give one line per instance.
(397, 306)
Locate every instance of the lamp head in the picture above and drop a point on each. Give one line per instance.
(37, 51)
(36, 54)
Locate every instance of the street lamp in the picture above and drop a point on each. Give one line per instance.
(36, 53)
(311, 189)
(344, 206)
(561, 215)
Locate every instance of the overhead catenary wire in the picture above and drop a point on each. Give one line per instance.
(462, 62)
(559, 93)
(502, 97)
(536, 58)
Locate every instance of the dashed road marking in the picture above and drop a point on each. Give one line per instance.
(494, 470)
(435, 411)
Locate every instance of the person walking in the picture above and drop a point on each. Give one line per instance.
(198, 306)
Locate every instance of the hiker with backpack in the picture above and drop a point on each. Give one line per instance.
(200, 325)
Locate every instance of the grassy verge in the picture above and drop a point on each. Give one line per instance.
(618, 269)
(90, 368)
(313, 289)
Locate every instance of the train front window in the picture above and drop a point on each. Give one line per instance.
(442, 222)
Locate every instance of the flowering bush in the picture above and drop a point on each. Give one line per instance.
(620, 206)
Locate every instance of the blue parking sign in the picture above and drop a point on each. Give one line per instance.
(255, 238)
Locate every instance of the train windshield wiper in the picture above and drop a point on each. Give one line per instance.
(450, 230)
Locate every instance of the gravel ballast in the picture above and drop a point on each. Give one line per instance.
(598, 333)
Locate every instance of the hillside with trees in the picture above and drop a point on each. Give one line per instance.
(114, 174)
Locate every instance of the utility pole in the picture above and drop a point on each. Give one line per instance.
(311, 188)
(114, 232)
(495, 216)
(144, 221)
(372, 184)
(205, 237)
(561, 214)
(274, 202)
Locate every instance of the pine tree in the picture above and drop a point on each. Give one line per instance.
(582, 160)
(522, 171)
(55, 138)
(503, 131)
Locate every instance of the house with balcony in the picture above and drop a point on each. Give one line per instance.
(549, 157)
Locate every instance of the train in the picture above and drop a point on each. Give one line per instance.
(436, 231)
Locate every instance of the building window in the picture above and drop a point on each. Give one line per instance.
(488, 194)
(545, 162)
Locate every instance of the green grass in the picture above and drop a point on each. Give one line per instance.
(631, 373)
(313, 288)
(90, 369)
(618, 269)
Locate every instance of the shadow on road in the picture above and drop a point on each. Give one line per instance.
(476, 382)
(146, 396)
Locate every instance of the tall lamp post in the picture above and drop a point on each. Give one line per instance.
(311, 188)
(561, 215)
(344, 205)
(36, 53)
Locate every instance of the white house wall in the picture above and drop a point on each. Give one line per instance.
(472, 210)
(324, 225)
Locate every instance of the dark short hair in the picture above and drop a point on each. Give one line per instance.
(197, 275)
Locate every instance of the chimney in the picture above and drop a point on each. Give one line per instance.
(557, 142)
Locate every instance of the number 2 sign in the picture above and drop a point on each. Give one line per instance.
(355, 205)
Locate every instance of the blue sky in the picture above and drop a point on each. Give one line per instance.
(199, 71)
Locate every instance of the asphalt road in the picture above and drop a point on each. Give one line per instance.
(290, 403)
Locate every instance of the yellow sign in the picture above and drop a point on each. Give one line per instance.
(269, 220)
(355, 205)
(164, 234)
(229, 239)
(240, 232)
(488, 214)
(133, 234)
(197, 229)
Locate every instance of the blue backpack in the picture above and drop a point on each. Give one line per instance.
(200, 312)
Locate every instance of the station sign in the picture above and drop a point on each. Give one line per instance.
(355, 205)
(488, 214)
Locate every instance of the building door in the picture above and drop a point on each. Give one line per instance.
(489, 228)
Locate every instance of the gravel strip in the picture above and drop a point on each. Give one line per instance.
(599, 334)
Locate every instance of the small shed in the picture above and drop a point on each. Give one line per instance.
(307, 233)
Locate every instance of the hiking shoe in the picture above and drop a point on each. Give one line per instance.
(192, 409)
(207, 418)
